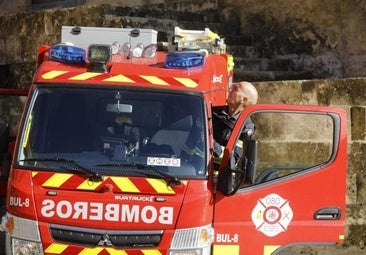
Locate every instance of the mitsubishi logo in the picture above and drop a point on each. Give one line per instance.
(105, 240)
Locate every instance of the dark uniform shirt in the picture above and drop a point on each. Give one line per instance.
(223, 123)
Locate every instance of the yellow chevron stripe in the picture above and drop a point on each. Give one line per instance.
(154, 80)
(34, 173)
(151, 252)
(56, 248)
(125, 184)
(112, 251)
(268, 249)
(57, 180)
(119, 78)
(226, 249)
(91, 251)
(189, 83)
(52, 74)
(84, 76)
(160, 186)
(89, 185)
(60, 248)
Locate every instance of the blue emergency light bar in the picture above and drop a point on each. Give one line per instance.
(101, 54)
(67, 54)
(184, 60)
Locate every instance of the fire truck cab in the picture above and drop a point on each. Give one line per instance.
(114, 155)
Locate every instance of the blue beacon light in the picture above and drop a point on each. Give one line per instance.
(184, 60)
(67, 54)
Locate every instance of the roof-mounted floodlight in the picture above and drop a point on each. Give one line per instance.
(99, 55)
(136, 51)
(149, 51)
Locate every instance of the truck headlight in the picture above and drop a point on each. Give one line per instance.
(22, 235)
(192, 241)
(23, 247)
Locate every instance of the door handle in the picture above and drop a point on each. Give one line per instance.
(328, 213)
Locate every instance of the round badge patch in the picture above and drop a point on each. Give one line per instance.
(272, 215)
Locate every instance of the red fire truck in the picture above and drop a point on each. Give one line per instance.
(114, 155)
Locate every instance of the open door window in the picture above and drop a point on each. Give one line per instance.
(290, 181)
(11, 107)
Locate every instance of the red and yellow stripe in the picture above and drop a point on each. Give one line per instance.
(119, 184)
(120, 78)
(56, 249)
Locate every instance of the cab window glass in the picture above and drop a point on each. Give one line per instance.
(289, 143)
(116, 132)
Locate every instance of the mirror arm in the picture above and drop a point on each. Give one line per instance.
(228, 185)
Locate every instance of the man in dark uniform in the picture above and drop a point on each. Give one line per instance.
(224, 118)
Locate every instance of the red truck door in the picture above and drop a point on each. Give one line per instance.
(292, 191)
(11, 107)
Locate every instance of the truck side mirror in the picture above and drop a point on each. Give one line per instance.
(243, 173)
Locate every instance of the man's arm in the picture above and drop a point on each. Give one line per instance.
(217, 149)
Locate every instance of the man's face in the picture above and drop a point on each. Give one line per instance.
(236, 95)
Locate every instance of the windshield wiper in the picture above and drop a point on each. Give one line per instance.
(94, 175)
(170, 179)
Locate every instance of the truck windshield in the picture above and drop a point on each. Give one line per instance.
(111, 131)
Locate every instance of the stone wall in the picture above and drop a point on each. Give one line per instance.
(271, 40)
(318, 39)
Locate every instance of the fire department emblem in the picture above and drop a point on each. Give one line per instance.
(272, 215)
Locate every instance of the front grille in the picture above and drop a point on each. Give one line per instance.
(115, 238)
